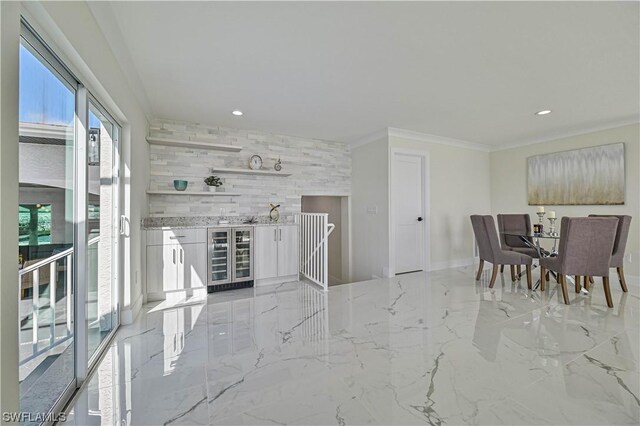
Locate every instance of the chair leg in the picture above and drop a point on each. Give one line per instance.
(513, 273)
(563, 285)
(607, 291)
(591, 280)
(587, 281)
(577, 283)
(494, 274)
(479, 274)
(501, 268)
(558, 278)
(529, 279)
(543, 278)
(518, 270)
(623, 282)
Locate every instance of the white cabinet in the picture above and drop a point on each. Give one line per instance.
(266, 246)
(176, 260)
(276, 252)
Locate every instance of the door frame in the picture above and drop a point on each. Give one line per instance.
(426, 207)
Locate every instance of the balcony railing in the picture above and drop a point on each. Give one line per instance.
(37, 274)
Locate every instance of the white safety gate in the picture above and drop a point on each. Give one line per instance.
(314, 247)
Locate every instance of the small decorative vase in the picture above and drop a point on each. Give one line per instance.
(213, 188)
(180, 185)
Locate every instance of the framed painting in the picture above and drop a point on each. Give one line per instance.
(587, 176)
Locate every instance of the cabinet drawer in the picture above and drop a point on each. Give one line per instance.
(176, 236)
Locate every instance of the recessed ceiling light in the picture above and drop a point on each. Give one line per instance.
(237, 113)
(544, 112)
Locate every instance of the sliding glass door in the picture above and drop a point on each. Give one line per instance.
(102, 228)
(46, 232)
(68, 251)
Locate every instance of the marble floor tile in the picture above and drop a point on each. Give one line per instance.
(423, 348)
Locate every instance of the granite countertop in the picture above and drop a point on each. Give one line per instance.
(191, 222)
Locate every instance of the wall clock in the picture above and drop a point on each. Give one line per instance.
(255, 162)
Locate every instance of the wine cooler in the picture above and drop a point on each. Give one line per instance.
(230, 258)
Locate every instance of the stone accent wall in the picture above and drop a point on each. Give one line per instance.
(318, 168)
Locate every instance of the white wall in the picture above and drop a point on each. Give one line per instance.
(9, 43)
(509, 181)
(370, 210)
(458, 180)
(71, 30)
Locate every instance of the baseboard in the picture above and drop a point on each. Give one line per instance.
(276, 280)
(454, 263)
(128, 315)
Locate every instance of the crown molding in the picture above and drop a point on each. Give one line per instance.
(372, 137)
(425, 137)
(569, 134)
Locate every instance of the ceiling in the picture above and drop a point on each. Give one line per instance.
(474, 72)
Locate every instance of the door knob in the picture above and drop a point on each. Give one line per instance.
(419, 219)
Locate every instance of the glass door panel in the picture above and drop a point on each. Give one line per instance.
(46, 233)
(102, 228)
(219, 256)
(243, 253)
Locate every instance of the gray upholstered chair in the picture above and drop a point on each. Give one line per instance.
(619, 245)
(484, 229)
(516, 223)
(585, 248)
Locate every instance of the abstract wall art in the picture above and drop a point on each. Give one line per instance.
(586, 176)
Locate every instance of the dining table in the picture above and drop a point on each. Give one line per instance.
(532, 240)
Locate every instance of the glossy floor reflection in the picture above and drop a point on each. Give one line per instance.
(423, 348)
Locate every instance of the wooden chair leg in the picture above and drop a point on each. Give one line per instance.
(577, 277)
(529, 279)
(518, 270)
(623, 282)
(479, 274)
(587, 280)
(501, 268)
(607, 291)
(591, 280)
(513, 273)
(563, 285)
(558, 278)
(494, 274)
(543, 278)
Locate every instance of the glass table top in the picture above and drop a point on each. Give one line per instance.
(554, 236)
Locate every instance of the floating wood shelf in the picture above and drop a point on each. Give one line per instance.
(251, 172)
(193, 144)
(198, 193)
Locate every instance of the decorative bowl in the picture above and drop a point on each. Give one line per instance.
(180, 185)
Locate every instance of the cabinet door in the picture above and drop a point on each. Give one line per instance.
(162, 268)
(288, 258)
(192, 266)
(266, 252)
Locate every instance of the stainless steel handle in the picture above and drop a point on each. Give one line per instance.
(174, 256)
(175, 237)
(280, 232)
(275, 234)
(181, 255)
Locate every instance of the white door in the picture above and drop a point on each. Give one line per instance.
(408, 212)
(266, 252)
(193, 265)
(288, 250)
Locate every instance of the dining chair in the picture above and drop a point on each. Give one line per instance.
(515, 223)
(585, 248)
(619, 245)
(486, 235)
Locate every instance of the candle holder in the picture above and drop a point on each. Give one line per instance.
(552, 226)
(540, 217)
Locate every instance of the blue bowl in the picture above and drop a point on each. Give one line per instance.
(180, 185)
